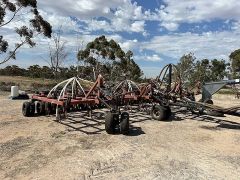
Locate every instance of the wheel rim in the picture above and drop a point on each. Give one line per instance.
(156, 113)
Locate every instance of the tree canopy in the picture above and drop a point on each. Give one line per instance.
(186, 66)
(107, 57)
(37, 25)
(235, 62)
(193, 70)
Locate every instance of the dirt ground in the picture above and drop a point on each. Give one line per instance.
(188, 147)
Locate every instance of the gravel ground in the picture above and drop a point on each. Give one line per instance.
(188, 147)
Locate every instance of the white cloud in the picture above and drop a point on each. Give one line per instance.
(154, 57)
(171, 26)
(121, 15)
(65, 22)
(191, 11)
(236, 26)
(138, 26)
(206, 45)
(145, 57)
(23, 17)
(128, 44)
(94, 25)
(81, 9)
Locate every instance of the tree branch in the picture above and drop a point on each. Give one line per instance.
(12, 54)
(12, 17)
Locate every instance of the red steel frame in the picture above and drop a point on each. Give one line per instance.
(91, 98)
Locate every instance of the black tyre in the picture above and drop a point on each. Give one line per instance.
(111, 122)
(168, 112)
(83, 107)
(32, 109)
(26, 111)
(40, 108)
(124, 123)
(48, 108)
(159, 113)
(53, 108)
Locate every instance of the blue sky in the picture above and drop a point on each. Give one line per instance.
(158, 32)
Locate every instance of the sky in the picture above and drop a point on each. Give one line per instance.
(157, 31)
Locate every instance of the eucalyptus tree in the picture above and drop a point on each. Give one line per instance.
(107, 57)
(11, 10)
(235, 62)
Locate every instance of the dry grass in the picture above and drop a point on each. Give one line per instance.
(30, 84)
(25, 80)
(25, 83)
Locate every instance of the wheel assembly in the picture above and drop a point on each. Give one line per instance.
(40, 108)
(168, 112)
(26, 111)
(115, 124)
(124, 123)
(161, 113)
(111, 122)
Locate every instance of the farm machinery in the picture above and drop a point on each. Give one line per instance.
(69, 95)
(171, 92)
(157, 96)
(168, 91)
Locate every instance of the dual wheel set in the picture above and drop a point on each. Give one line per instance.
(41, 108)
(30, 108)
(116, 122)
